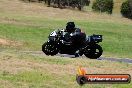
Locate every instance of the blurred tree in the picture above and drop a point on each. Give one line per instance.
(130, 3)
(103, 6)
(49, 1)
(126, 9)
(68, 3)
(64, 3)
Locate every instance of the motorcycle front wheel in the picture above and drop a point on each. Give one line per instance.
(93, 51)
(50, 48)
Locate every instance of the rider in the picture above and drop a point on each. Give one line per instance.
(77, 35)
(70, 28)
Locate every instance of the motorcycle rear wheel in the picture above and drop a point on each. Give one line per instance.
(50, 48)
(93, 52)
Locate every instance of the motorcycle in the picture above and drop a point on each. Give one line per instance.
(75, 43)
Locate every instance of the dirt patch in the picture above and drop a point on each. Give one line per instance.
(8, 42)
(14, 64)
(5, 84)
(93, 66)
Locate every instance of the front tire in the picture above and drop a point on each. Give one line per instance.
(50, 48)
(93, 51)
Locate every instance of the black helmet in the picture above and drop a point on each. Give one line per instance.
(70, 26)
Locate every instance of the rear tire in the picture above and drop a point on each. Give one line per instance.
(93, 51)
(50, 48)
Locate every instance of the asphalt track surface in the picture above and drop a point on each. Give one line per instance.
(40, 53)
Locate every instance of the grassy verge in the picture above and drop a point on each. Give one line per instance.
(24, 70)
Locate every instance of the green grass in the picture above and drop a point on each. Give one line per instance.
(44, 73)
(116, 36)
(21, 69)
